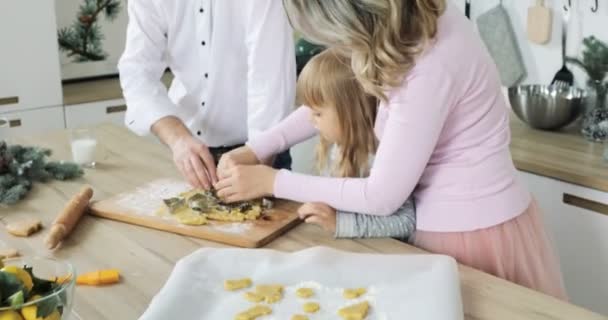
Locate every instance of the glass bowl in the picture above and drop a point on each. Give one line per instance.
(60, 299)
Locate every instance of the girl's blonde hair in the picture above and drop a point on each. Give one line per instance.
(327, 81)
(383, 37)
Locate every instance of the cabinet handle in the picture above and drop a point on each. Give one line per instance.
(585, 204)
(116, 109)
(3, 122)
(9, 100)
(14, 123)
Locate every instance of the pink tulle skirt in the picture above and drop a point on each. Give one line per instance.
(517, 250)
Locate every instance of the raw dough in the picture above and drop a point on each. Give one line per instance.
(354, 293)
(8, 253)
(305, 293)
(299, 317)
(237, 284)
(354, 312)
(311, 307)
(267, 293)
(253, 313)
(25, 227)
(196, 207)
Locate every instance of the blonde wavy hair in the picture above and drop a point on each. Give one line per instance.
(383, 37)
(327, 81)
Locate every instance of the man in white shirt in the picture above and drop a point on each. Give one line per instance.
(234, 68)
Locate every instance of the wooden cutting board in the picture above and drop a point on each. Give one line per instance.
(140, 207)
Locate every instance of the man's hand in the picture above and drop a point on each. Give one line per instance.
(194, 161)
(190, 155)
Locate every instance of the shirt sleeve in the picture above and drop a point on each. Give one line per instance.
(141, 67)
(417, 112)
(271, 75)
(400, 225)
(292, 130)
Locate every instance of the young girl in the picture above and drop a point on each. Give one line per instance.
(344, 117)
(443, 127)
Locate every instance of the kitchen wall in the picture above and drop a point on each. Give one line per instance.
(543, 61)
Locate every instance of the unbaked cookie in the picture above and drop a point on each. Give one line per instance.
(237, 284)
(305, 293)
(311, 307)
(253, 313)
(25, 227)
(196, 207)
(267, 293)
(8, 253)
(353, 293)
(354, 312)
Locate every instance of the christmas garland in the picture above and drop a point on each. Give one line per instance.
(21, 167)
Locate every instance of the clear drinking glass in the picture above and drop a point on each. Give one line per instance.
(84, 145)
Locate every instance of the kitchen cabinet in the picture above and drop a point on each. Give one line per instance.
(15, 124)
(89, 114)
(576, 218)
(30, 76)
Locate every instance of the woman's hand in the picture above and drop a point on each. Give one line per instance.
(320, 214)
(239, 156)
(246, 182)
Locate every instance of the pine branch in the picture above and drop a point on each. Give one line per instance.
(594, 59)
(83, 39)
(21, 166)
(112, 10)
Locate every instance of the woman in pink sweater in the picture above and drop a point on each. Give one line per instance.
(443, 127)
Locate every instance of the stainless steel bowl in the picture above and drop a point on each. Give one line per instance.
(546, 107)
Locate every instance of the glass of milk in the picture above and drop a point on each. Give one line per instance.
(84, 145)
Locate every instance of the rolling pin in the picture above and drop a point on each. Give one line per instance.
(67, 219)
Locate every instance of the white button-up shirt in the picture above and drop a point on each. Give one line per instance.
(233, 62)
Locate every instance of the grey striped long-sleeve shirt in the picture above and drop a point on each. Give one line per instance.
(400, 225)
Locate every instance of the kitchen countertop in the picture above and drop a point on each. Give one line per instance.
(146, 256)
(563, 155)
(97, 90)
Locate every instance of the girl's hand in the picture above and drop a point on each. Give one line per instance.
(319, 214)
(239, 156)
(243, 182)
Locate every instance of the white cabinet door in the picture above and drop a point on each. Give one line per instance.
(580, 237)
(30, 76)
(88, 114)
(14, 124)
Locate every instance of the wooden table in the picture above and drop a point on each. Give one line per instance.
(146, 256)
(563, 155)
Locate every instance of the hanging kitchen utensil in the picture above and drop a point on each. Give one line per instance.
(539, 23)
(467, 8)
(595, 7)
(564, 77)
(497, 33)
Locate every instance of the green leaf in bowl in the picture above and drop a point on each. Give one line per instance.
(42, 287)
(9, 285)
(47, 306)
(16, 300)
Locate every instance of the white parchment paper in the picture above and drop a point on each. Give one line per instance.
(399, 286)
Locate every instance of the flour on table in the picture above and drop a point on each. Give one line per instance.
(147, 199)
(238, 227)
